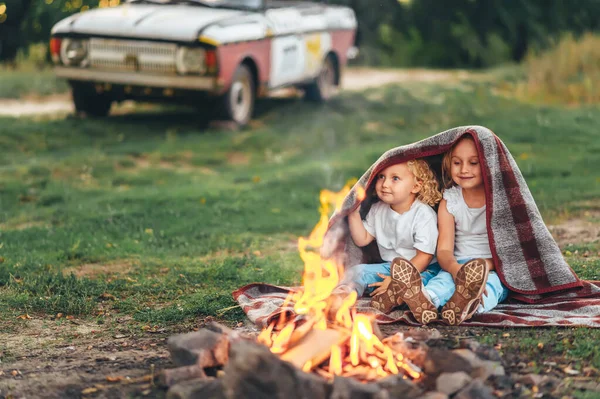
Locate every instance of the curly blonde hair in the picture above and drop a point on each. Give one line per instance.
(447, 162)
(429, 193)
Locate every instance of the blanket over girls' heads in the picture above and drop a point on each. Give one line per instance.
(527, 259)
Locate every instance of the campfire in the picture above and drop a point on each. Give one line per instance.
(326, 350)
(332, 339)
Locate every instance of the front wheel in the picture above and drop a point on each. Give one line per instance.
(239, 99)
(87, 100)
(325, 85)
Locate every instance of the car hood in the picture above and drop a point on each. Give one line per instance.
(176, 22)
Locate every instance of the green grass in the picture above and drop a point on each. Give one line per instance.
(15, 84)
(169, 219)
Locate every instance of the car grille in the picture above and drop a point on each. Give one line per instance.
(132, 55)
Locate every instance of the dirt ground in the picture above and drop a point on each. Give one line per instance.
(355, 79)
(71, 359)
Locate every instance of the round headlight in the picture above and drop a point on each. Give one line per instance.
(74, 52)
(190, 60)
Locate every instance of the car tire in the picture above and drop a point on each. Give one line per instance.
(241, 96)
(88, 101)
(324, 86)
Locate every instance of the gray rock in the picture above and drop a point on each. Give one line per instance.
(399, 387)
(481, 369)
(440, 361)
(349, 388)
(450, 383)
(488, 368)
(313, 386)
(475, 390)
(204, 347)
(197, 389)
(485, 352)
(253, 372)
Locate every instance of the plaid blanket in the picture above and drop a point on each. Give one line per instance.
(263, 303)
(528, 260)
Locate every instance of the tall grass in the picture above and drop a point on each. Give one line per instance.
(567, 73)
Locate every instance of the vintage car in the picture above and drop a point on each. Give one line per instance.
(216, 54)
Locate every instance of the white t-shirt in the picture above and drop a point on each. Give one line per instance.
(470, 237)
(401, 234)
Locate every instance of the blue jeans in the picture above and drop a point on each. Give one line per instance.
(359, 277)
(441, 287)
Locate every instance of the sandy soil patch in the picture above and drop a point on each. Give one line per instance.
(92, 270)
(582, 230)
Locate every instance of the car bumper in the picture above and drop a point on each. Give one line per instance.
(204, 83)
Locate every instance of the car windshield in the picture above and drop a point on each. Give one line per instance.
(236, 4)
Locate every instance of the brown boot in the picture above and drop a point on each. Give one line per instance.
(386, 301)
(470, 283)
(407, 286)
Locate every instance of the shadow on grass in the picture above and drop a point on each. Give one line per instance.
(199, 120)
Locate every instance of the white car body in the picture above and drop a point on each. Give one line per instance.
(144, 45)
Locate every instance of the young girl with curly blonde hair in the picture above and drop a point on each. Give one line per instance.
(404, 225)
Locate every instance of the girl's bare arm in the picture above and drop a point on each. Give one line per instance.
(445, 246)
(359, 234)
(421, 260)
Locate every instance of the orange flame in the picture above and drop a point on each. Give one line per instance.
(359, 352)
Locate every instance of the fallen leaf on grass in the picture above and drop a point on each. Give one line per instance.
(24, 317)
(107, 296)
(87, 391)
(571, 371)
(114, 379)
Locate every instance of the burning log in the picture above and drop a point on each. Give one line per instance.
(315, 348)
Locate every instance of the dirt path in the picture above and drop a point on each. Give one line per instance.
(355, 79)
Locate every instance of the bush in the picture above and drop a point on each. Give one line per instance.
(568, 72)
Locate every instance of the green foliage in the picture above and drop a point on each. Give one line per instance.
(462, 33)
(42, 15)
(465, 33)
